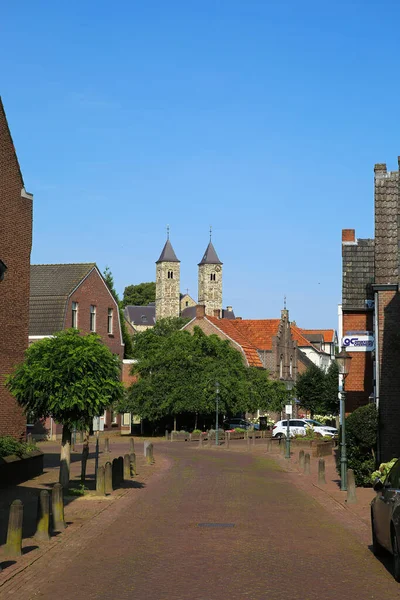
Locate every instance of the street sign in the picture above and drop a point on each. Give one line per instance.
(288, 409)
(98, 423)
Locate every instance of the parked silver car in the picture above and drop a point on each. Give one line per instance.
(385, 517)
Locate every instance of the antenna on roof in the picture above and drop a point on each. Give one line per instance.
(210, 232)
(167, 232)
(284, 302)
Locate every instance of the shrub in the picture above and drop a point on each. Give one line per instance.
(196, 431)
(383, 471)
(240, 429)
(9, 446)
(361, 431)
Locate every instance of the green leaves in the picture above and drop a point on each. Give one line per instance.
(70, 376)
(317, 390)
(177, 373)
(140, 295)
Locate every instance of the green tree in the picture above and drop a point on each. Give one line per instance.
(177, 373)
(126, 338)
(310, 388)
(139, 295)
(70, 377)
(330, 403)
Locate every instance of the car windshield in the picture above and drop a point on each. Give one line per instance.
(312, 422)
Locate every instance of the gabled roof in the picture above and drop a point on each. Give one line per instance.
(51, 286)
(210, 256)
(6, 131)
(141, 315)
(227, 326)
(328, 335)
(167, 253)
(259, 332)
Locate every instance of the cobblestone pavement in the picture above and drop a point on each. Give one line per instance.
(149, 546)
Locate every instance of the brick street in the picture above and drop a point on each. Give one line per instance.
(149, 546)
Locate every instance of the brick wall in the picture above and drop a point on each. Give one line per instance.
(360, 380)
(93, 291)
(15, 249)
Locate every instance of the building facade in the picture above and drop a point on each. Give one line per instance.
(15, 250)
(167, 283)
(210, 281)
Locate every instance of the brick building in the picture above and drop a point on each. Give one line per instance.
(74, 295)
(15, 250)
(369, 318)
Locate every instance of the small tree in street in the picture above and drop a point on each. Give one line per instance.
(70, 377)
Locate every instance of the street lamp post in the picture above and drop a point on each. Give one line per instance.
(216, 411)
(343, 359)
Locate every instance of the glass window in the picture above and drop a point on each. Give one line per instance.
(291, 367)
(75, 315)
(110, 321)
(393, 478)
(284, 423)
(281, 368)
(92, 318)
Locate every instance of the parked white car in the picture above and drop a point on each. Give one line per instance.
(299, 427)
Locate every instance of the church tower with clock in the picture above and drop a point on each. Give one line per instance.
(210, 281)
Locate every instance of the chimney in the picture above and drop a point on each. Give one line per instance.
(348, 235)
(294, 323)
(200, 311)
(380, 168)
(217, 313)
(229, 308)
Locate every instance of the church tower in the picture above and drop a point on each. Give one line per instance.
(167, 283)
(210, 281)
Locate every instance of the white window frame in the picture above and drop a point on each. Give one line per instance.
(75, 308)
(92, 318)
(110, 321)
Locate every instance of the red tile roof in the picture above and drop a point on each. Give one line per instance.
(228, 327)
(258, 332)
(297, 335)
(328, 334)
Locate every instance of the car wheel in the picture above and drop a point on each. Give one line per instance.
(279, 436)
(377, 549)
(396, 556)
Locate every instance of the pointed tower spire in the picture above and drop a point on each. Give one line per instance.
(210, 257)
(167, 253)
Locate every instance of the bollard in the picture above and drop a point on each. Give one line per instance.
(132, 458)
(283, 445)
(115, 474)
(108, 478)
(149, 454)
(351, 487)
(43, 516)
(269, 445)
(120, 469)
(146, 443)
(301, 460)
(200, 441)
(127, 467)
(209, 440)
(152, 454)
(14, 532)
(29, 438)
(100, 482)
(247, 440)
(131, 445)
(106, 445)
(254, 437)
(227, 439)
(57, 506)
(321, 471)
(166, 434)
(307, 464)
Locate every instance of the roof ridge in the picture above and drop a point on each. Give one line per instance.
(62, 264)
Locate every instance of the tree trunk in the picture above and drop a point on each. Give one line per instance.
(195, 422)
(65, 457)
(85, 454)
(174, 423)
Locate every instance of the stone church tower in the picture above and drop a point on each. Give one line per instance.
(167, 283)
(210, 281)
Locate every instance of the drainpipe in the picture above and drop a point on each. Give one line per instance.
(376, 372)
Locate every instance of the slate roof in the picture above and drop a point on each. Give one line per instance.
(141, 315)
(190, 313)
(358, 273)
(167, 254)
(210, 256)
(50, 287)
(228, 327)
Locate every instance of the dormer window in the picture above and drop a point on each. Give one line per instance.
(170, 274)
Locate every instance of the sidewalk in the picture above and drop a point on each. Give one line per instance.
(79, 510)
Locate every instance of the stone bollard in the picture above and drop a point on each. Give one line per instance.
(108, 479)
(132, 458)
(301, 460)
(14, 532)
(306, 464)
(127, 467)
(200, 441)
(106, 445)
(100, 482)
(269, 445)
(131, 445)
(29, 438)
(57, 507)
(209, 440)
(121, 469)
(351, 487)
(247, 440)
(254, 437)
(321, 471)
(166, 434)
(227, 439)
(43, 517)
(115, 474)
(146, 443)
(149, 454)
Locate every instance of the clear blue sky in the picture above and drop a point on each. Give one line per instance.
(261, 118)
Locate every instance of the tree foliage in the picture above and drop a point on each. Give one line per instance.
(126, 337)
(177, 373)
(317, 390)
(139, 295)
(71, 377)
